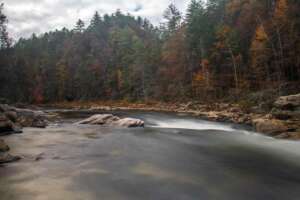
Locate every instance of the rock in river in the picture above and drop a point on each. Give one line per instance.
(30, 118)
(3, 147)
(130, 122)
(270, 126)
(111, 120)
(7, 126)
(5, 157)
(12, 118)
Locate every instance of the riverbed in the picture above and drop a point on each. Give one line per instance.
(173, 157)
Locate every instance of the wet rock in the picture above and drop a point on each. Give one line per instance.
(30, 118)
(111, 120)
(3, 147)
(130, 122)
(290, 135)
(52, 117)
(6, 126)
(7, 158)
(270, 126)
(39, 157)
(11, 115)
(13, 119)
(98, 108)
(6, 108)
(288, 102)
(100, 119)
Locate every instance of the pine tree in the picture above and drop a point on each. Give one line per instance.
(173, 17)
(79, 27)
(96, 21)
(5, 41)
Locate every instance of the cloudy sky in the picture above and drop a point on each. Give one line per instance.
(38, 16)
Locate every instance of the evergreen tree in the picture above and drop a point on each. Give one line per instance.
(5, 41)
(79, 27)
(173, 19)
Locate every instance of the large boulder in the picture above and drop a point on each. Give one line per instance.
(7, 126)
(5, 108)
(100, 119)
(30, 118)
(130, 122)
(290, 102)
(111, 120)
(11, 115)
(270, 126)
(13, 119)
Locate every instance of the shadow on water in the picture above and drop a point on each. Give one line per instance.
(173, 157)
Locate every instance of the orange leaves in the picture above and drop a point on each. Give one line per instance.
(223, 35)
(201, 78)
(205, 63)
(281, 10)
(258, 44)
(260, 52)
(260, 34)
(201, 82)
(223, 31)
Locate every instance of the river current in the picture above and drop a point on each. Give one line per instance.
(173, 157)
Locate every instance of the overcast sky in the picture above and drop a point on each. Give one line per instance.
(38, 16)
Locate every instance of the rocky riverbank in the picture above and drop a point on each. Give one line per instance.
(282, 121)
(12, 120)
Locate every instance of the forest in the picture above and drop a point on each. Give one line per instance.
(219, 49)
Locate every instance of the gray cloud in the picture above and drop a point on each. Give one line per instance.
(38, 16)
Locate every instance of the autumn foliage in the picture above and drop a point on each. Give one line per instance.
(220, 49)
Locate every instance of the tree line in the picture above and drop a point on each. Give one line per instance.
(218, 49)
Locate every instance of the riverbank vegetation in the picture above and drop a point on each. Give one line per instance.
(221, 49)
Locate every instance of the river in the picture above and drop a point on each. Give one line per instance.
(173, 157)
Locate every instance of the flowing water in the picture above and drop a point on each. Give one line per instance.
(173, 157)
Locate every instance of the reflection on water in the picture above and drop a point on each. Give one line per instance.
(172, 158)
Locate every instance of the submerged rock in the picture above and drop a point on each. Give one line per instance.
(111, 120)
(7, 158)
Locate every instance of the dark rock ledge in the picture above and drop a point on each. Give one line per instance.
(12, 120)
